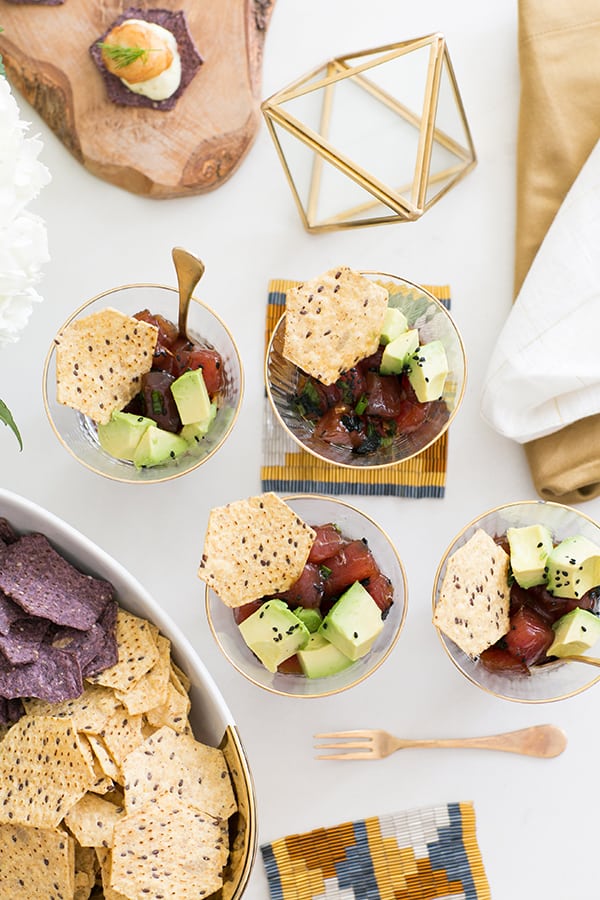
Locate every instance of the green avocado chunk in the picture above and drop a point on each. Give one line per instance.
(274, 633)
(529, 550)
(573, 567)
(158, 446)
(193, 432)
(394, 324)
(574, 633)
(397, 353)
(353, 622)
(191, 397)
(121, 435)
(428, 371)
(321, 658)
(312, 618)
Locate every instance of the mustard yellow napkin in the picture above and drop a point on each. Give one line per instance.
(559, 125)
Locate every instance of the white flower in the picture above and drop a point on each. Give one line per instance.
(23, 243)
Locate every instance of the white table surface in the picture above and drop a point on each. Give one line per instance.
(248, 231)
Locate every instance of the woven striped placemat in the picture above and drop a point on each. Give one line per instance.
(288, 469)
(421, 854)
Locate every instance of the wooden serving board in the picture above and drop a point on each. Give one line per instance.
(191, 149)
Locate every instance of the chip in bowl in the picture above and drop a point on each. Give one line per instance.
(332, 322)
(254, 548)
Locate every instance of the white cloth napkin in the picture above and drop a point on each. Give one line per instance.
(544, 372)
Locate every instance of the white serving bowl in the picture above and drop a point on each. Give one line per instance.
(211, 720)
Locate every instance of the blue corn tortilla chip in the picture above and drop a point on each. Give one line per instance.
(54, 676)
(21, 644)
(176, 23)
(10, 711)
(45, 584)
(83, 645)
(108, 653)
(7, 533)
(9, 613)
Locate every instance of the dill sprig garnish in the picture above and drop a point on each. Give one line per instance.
(123, 56)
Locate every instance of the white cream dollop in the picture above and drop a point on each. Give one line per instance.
(162, 86)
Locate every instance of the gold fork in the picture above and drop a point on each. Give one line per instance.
(543, 741)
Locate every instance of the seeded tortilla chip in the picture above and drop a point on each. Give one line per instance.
(92, 820)
(54, 676)
(473, 607)
(137, 653)
(21, 643)
(100, 360)
(88, 712)
(173, 712)
(108, 653)
(254, 548)
(36, 863)
(105, 760)
(10, 712)
(185, 862)
(45, 584)
(151, 690)
(184, 767)
(9, 613)
(333, 322)
(41, 758)
(121, 734)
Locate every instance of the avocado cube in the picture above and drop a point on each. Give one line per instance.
(191, 397)
(394, 324)
(274, 633)
(321, 658)
(428, 371)
(529, 549)
(573, 567)
(574, 633)
(193, 432)
(397, 353)
(353, 622)
(122, 433)
(312, 618)
(158, 446)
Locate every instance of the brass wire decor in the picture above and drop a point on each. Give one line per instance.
(376, 136)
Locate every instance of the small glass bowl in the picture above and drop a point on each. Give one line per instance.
(354, 524)
(550, 681)
(423, 311)
(78, 433)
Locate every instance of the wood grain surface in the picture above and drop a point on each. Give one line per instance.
(191, 149)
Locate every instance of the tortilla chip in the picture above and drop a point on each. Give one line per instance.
(184, 767)
(41, 758)
(36, 863)
(185, 862)
(474, 601)
(105, 760)
(254, 548)
(180, 679)
(92, 820)
(333, 322)
(151, 690)
(137, 653)
(121, 734)
(173, 712)
(100, 360)
(89, 712)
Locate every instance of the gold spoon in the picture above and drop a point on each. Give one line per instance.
(590, 660)
(189, 270)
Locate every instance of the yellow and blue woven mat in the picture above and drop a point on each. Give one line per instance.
(422, 854)
(288, 469)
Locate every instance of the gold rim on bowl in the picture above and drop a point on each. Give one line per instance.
(276, 335)
(369, 671)
(455, 543)
(169, 474)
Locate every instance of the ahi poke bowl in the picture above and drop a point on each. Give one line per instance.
(516, 598)
(305, 596)
(364, 369)
(132, 399)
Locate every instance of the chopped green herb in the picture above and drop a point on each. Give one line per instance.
(123, 56)
(361, 405)
(325, 571)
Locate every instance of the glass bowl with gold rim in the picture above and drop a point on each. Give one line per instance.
(547, 681)
(353, 525)
(78, 433)
(424, 312)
